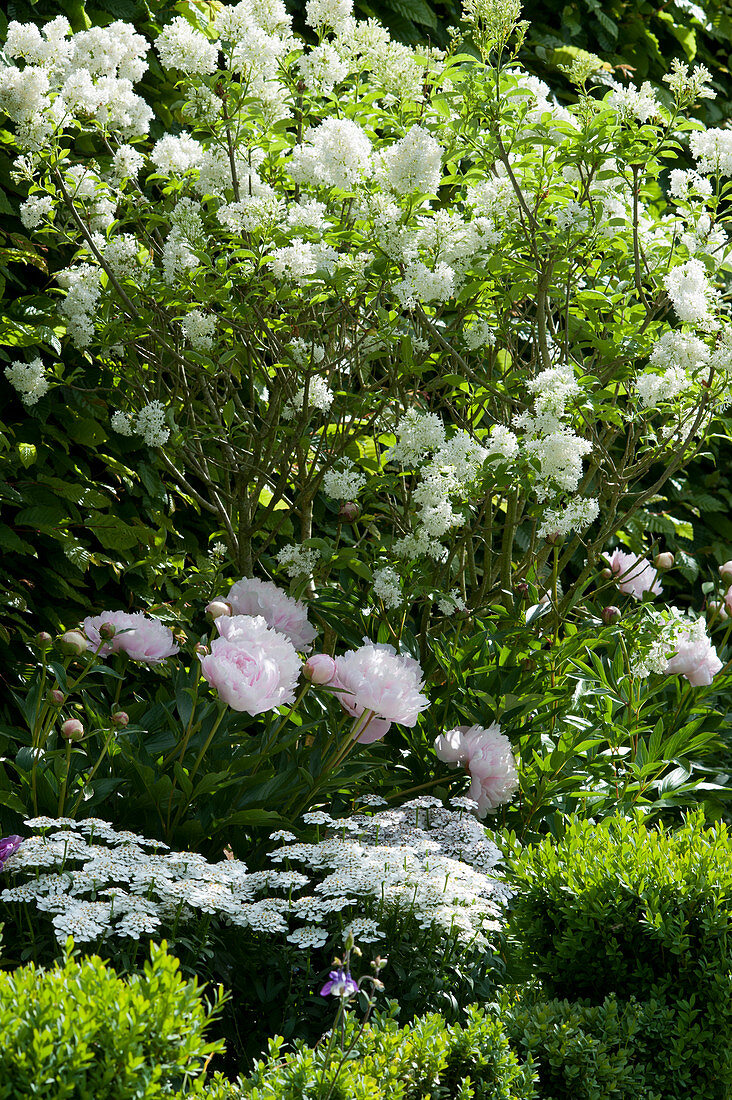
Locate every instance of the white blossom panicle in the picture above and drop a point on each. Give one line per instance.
(150, 424)
(319, 396)
(451, 602)
(690, 292)
(180, 46)
(335, 153)
(35, 210)
(414, 163)
(322, 68)
(387, 587)
(123, 423)
(712, 151)
(638, 104)
(198, 329)
(327, 13)
(418, 435)
(576, 515)
(344, 483)
(298, 561)
(28, 379)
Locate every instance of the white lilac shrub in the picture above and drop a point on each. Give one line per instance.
(421, 862)
(361, 270)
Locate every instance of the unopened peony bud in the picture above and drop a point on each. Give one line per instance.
(725, 572)
(55, 697)
(201, 649)
(718, 609)
(72, 729)
(44, 640)
(120, 719)
(608, 574)
(319, 669)
(107, 631)
(72, 642)
(349, 511)
(663, 561)
(610, 614)
(217, 608)
(553, 538)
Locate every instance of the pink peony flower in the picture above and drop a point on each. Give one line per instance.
(144, 639)
(695, 657)
(634, 575)
(377, 678)
(488, 756)
(250, 596)
(252, 667)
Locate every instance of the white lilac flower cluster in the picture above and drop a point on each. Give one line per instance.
(87, 76)
(149, 423)
(298, 561)
(28, 379)
(448, 470)
(420, 860)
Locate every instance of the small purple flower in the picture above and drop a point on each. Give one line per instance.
(9, 846)
(341, 984)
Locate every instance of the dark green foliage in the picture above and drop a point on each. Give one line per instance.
(582, 1052)
(428, 1060)
(619, 1050)
(79, 1032)
(620, 908)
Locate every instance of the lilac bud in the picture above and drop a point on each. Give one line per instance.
(349, 511)
(320, 669)
(120, 719)
(73, 642)
(219, 607)
(55, 697)
(72, 729)
(44, 640)
(663, 561)
(610, 614)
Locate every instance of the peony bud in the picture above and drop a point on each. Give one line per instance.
(72, 729)
(44, 640)
(55, 697)
(725, 572)
(120, 719)
(319, 669)
(553, 538)
(349, 511)
(610, 614)
(73, 642)
(663, 561)
(201, 649)
(717, 608)
(107, 631)
(608, 574)
(219, 607)
(521, 589)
